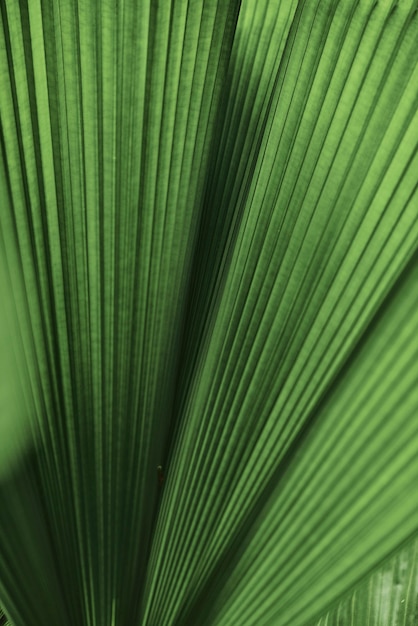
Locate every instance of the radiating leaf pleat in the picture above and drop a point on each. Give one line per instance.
(3, 619)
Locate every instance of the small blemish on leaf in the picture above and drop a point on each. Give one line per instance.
(160, 474)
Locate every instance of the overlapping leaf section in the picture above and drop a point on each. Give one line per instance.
(389, 596)
(288, 483)
(107, 116)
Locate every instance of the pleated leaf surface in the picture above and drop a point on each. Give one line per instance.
(209, 241)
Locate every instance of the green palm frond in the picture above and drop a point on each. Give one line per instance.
(209, 268)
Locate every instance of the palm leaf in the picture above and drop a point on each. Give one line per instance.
(209, 241)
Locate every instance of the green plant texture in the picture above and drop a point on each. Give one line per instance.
(209, 312)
